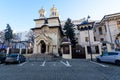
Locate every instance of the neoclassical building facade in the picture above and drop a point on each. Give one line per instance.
(107, 29)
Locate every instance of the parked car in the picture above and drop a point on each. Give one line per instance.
(111, 57)
(15, 58)
(2, 57)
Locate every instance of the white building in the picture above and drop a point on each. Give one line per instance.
(108, 28)
(86, 39)
(22, 36)
(82, 36)
(20, 40)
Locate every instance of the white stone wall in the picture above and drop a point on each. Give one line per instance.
(98, 35)
(113, 30)
(54, 41)
(48, 34)
(88, 56)
(53, 22)
(39, 23)
(84, 34)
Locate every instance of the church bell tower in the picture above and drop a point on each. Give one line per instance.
(54, 12)
(42, 13)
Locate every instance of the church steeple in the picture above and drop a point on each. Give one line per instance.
(42, 13)
(54, 12)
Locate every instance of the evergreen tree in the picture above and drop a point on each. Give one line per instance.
(69, 31)
(8, 34)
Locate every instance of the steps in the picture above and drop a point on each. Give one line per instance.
(42, 57)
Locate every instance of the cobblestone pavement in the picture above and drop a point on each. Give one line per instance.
(60, 70)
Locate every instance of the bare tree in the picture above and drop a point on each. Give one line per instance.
(30, 37)
(2, 37)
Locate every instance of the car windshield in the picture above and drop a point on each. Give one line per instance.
(12, 55)
(104, 54)
(2, 54)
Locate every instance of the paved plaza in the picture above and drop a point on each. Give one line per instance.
(74, 69)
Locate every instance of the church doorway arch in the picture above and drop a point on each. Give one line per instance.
(43, 46)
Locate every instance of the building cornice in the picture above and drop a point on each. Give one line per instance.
(42, 26)
(110, 17)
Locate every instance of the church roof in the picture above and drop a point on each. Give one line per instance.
(85, 23)
(59, 26)
(48, 18)
(44, 25)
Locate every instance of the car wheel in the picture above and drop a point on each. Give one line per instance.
(19, 62)
(6, 63)
(117, 62)
(98, 60)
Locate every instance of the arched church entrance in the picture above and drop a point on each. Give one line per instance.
(43, 46)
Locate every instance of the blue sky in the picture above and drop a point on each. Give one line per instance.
(20, 13)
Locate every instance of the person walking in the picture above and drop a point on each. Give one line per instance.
(117, 43)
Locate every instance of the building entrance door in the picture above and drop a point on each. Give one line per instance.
(43, 47)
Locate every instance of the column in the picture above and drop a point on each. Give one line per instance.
(8, 50)
(70, 52)
(26, 50)
(35, 47)
(86, 51)
(20, 50)
(39, 49)
(100, 50)
(109, 35)
(50, 49)
(46, 49)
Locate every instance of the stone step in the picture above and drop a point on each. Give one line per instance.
(43, 57)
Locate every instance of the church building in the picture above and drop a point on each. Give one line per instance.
(50, 38)
(48, 32)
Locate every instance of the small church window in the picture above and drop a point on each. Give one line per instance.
(66, 49)
(46, 21)
(105, 28)
(41, 15)
(100, 30)
(86, 39)
(53, 13)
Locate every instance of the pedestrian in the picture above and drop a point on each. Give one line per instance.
(112, 47)
(117, 43)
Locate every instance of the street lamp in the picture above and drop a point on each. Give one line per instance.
(89, 42)
(89, 27)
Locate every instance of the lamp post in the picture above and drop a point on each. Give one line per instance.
(89, 38)
(90, 43)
